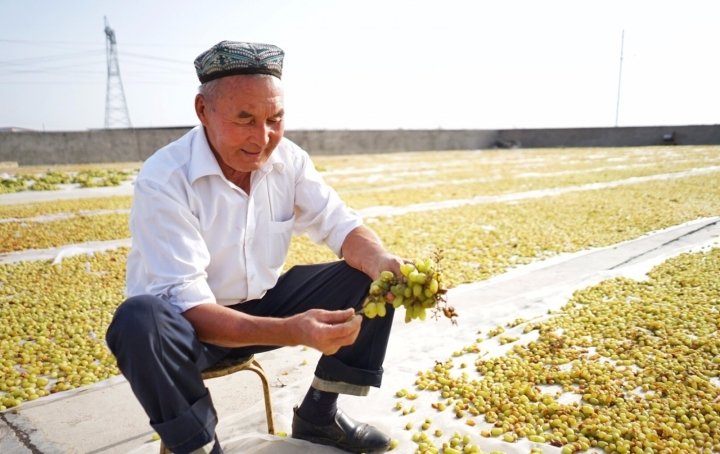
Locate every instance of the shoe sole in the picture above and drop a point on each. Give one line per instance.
(328, 442)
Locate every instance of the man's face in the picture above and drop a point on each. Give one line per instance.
(243, 120)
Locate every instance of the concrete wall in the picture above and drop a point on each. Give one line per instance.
(614, 137)
(118, 145)
(381, 141)
(79, 147)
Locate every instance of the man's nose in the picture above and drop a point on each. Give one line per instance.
(261, 134)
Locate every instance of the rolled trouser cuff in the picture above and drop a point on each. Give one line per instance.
(333, 373)
(192, 429)
(340, 387)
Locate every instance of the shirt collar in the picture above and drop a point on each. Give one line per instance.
(203, 162)
(202, 159)
(274, 161)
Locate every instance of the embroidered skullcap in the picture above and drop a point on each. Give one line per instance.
(230, 58)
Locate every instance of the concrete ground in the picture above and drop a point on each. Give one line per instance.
(105, 418)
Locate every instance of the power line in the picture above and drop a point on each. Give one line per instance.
(32, 41)
(154, 58)
(55, 57)
(94, 80)
(39, 64)
(51, 82)
(84, 66)
(94, 43)
(84, 59)
(48, 69)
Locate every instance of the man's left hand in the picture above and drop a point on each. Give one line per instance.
(364, 251)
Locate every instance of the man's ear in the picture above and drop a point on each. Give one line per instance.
(200, 108)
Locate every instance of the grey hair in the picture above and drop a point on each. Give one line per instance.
(209, 89)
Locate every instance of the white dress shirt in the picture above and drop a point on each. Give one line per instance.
(197, 238)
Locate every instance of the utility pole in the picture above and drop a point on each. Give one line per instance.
(617, 105)
(116, 110)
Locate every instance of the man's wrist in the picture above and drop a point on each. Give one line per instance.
(288, 325)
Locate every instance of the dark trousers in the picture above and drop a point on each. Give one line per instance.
(161, 357)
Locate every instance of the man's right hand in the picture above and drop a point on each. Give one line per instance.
(325, 330)
(320, 329)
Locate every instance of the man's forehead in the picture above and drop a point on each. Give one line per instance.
(250, 96)
(253, 82)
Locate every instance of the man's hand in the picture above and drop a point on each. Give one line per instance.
(386, 262)
(363, 250)
(324, 330)
(321, 329)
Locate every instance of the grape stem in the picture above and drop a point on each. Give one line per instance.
(360, 311)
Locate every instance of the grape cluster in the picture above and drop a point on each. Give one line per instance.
(418, 289)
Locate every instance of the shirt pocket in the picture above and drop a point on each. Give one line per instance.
(279, 235)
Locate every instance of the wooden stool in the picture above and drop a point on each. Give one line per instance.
(230, 366)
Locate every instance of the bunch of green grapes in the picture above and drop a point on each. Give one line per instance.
(417, 289)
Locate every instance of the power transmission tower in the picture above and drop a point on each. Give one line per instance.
(116, 110)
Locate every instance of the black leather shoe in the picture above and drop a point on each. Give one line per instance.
(344, 433)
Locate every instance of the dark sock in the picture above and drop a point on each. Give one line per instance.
(318, 407)
(217, 449)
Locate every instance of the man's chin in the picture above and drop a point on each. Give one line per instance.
(249, 165)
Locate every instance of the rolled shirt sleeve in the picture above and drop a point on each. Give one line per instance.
(319, 210)
(174, 254)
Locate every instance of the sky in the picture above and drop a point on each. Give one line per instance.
(374, 64)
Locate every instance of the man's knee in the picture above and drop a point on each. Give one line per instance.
(354, 282)
(353, 277)
(133, 318)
